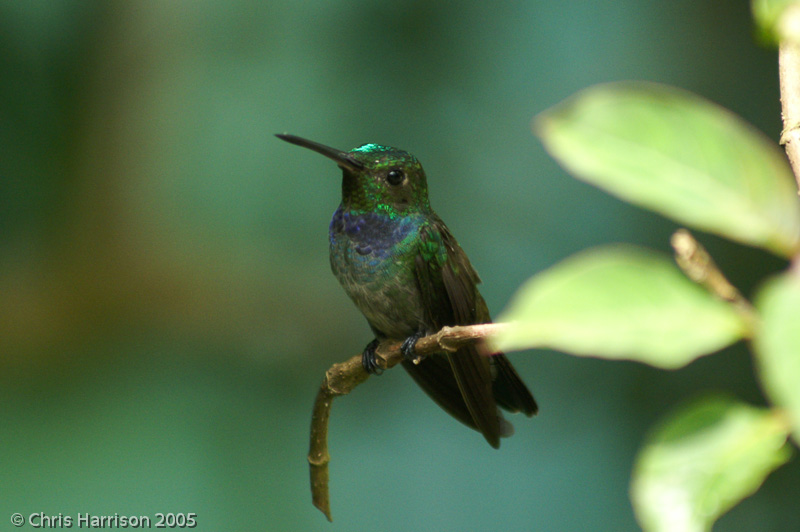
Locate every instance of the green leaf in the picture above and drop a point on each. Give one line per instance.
(777, 344)
(675, 153)
(768, 14)
(702, 461)
(619, 302)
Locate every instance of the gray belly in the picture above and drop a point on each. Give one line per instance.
(383, 288)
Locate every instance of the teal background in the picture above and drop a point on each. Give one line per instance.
(166, 306)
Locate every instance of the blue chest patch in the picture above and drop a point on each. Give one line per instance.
(373, 257)
(370, 234)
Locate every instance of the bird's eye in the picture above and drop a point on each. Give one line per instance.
(394, 177)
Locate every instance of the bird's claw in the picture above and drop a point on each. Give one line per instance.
(369, 360)
(408, 349)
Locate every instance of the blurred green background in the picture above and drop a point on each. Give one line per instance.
(166, 306)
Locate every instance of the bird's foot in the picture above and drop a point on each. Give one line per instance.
(408, 349)
(368, 359)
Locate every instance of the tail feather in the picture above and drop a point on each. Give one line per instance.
(435, 375)
(509, 390)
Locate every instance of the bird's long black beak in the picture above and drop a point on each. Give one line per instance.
(342, 158)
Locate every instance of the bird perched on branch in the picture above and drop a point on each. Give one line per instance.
(406, 273)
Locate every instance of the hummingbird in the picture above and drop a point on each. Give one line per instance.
(402, 267)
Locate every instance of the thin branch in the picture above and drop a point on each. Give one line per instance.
(789, 72)
(343, 377)
(698, 265)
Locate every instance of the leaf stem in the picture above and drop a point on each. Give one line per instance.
(697, 264)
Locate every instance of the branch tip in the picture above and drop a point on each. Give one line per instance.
(698, 266)
(343, 377)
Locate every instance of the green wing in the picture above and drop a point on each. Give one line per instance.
(463, 383)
